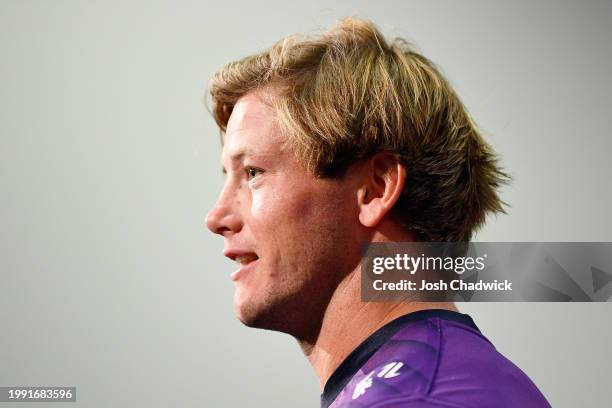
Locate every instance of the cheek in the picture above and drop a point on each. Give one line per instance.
(285, 217)
(262, 202)
(270, 206)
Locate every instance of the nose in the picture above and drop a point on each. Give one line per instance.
(222, 219)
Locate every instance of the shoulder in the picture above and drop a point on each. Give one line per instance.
(439, 363)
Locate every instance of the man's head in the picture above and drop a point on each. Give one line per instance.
(283, 224)
(328, 142)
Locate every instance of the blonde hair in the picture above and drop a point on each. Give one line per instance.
(349, 94)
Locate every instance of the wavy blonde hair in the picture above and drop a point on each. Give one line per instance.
(349, 94)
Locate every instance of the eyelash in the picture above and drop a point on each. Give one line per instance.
(249, 170)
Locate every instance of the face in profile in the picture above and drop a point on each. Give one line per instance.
(294, 236)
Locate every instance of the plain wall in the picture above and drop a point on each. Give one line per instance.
(109, 162)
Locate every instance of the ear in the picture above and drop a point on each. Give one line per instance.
(383, 181)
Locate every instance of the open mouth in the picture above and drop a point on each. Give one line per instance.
(246, 259)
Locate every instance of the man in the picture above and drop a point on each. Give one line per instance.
(332, 142)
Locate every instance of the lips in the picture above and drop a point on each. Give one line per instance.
(246, 259)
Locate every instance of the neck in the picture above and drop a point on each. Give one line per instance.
(347, 322)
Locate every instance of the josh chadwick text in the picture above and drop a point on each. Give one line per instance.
(441, 285)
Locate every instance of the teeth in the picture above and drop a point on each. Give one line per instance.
(245, 259)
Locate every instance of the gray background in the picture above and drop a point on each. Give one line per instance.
(109, 280)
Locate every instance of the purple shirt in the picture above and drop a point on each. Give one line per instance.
(426, 359)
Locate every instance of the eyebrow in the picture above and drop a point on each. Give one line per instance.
(237, 157)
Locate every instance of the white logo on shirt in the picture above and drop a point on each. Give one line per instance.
(387, 371)
(390, 370)
(363, 385)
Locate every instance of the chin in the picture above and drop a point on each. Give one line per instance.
(245, 317)
(247, 311)
(255, 312)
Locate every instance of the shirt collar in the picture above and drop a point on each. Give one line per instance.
(359, 356)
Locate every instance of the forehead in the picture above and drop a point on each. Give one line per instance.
(251, 129)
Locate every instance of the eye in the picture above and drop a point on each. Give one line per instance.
(252, 172)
